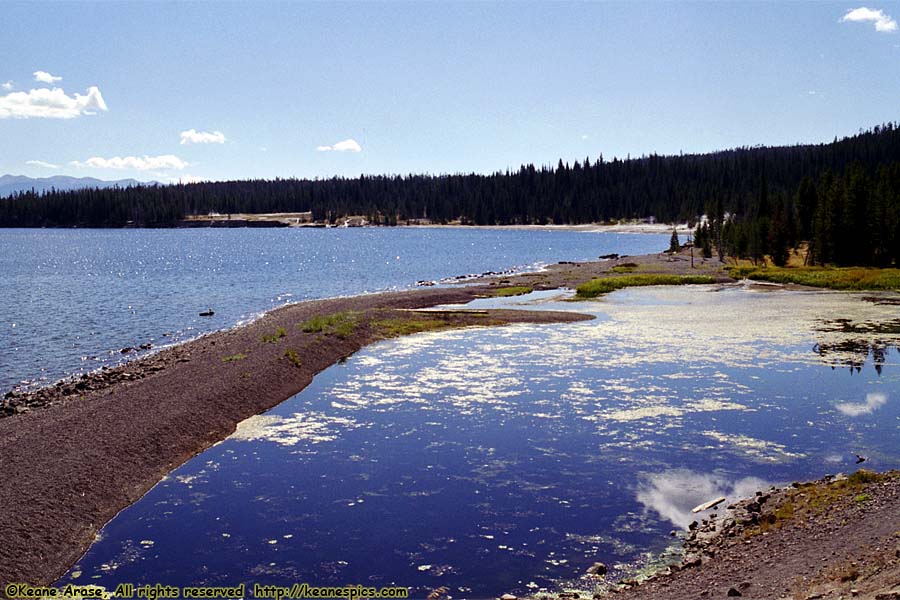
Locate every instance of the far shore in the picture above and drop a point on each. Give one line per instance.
(302, 220)
(657, 228)
(76, 453)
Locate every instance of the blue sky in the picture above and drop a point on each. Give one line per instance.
(295, 89)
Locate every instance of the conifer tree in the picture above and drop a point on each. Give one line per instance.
(674, 244)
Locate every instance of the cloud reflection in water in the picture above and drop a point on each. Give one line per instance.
(874, 401)
(675, 492)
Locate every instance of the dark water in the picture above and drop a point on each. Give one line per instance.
(510, 459)
(74, 298)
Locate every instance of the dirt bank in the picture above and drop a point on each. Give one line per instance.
(834, 538)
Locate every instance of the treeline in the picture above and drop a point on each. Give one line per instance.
(849, 218)
(751, 185)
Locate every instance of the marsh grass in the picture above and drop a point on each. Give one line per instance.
(515, 290)
(341, 324)
(604, 285)
(625, 268)
(836, 278)
(391, 328)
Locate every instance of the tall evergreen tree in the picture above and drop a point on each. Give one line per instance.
(674, 244)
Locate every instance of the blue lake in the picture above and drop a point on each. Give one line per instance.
(74, 298)
(510, 459)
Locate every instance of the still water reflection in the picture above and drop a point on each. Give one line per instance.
(511, 459)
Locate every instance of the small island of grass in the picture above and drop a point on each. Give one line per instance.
(515, 290)
(603, 285)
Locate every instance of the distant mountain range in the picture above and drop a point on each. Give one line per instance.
(11, 184)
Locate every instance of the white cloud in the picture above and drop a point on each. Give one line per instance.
(874, 401)
(349, 145)
(882, 21)
(44, 103)
(192, 136)
(8, 86)
(41, 163)
(45, 77)
(138, 163)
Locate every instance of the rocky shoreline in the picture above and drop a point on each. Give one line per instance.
(837, 537)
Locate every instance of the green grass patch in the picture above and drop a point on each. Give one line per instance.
(515, 290)
(274, 337)
(293, 356)
(390, 328)
(341, 324)
(234, 357)
(835, 278)
(625, 268)
(862, 498)
(604, 285)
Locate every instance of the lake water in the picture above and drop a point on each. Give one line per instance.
(510, 459)
(74, 298)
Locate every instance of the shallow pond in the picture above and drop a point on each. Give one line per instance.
(510, 459)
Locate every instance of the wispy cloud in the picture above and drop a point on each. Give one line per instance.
(50, 104)
(883, 22)
(192, 136)
(349, 145)
(874, 401)
(8, 86)
(45, 77)
(41, 163)
(138, 163)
